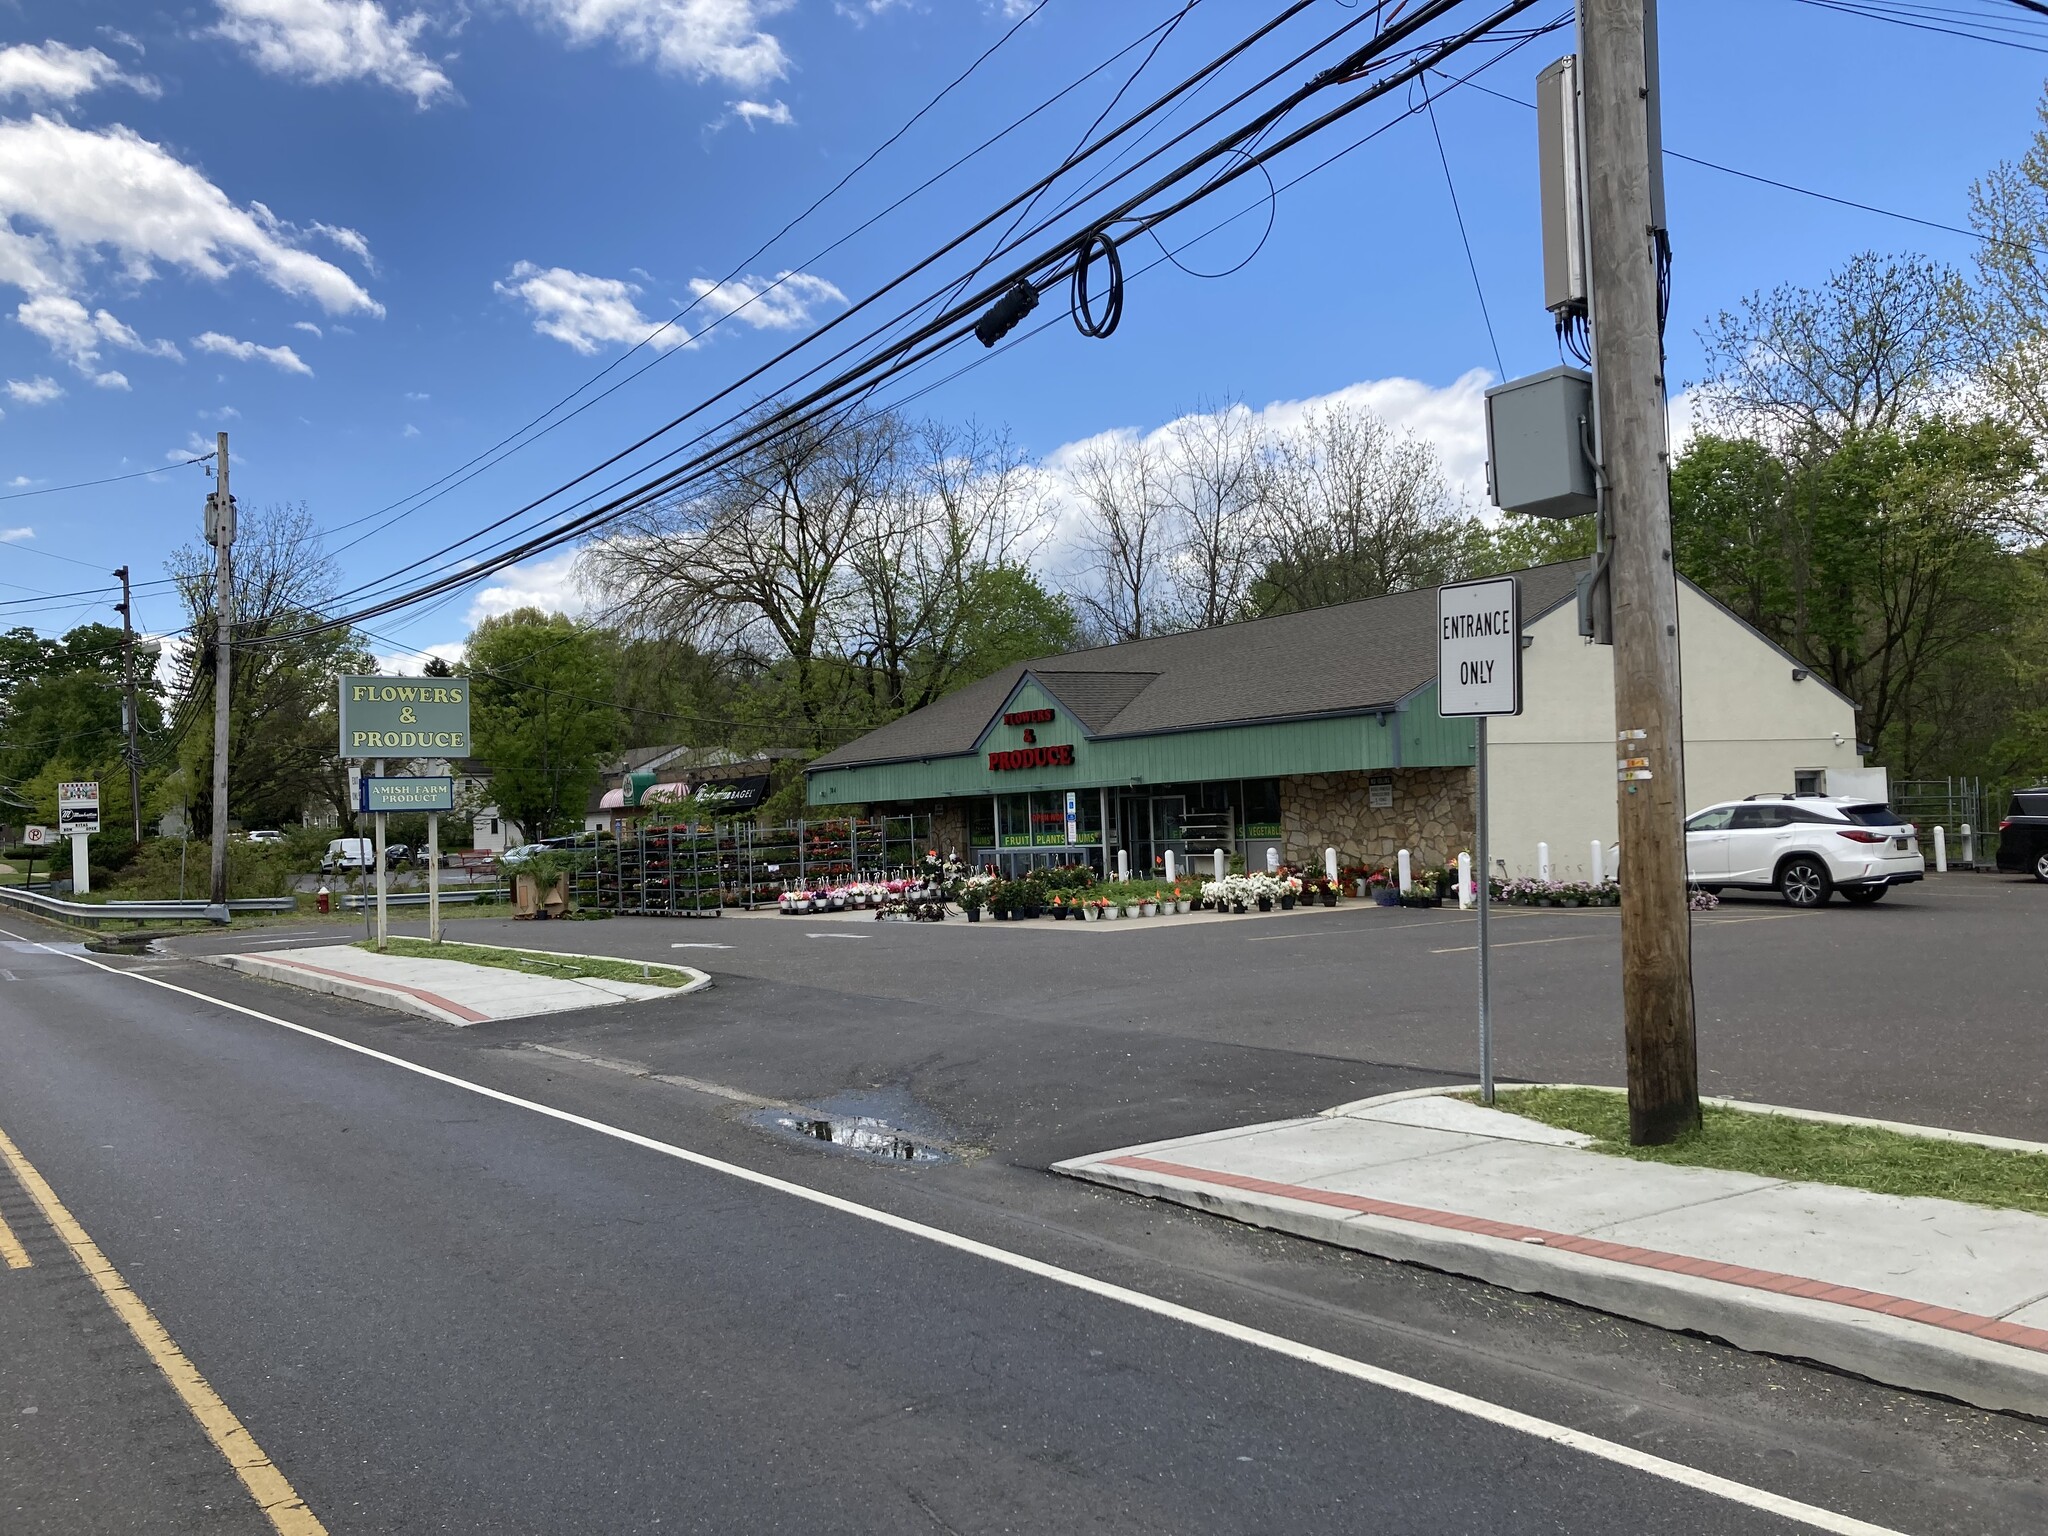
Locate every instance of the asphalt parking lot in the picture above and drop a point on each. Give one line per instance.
(1046, 1039)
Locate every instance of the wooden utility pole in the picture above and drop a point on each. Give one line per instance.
(1623, 246)
(220, 533)
(128, 721)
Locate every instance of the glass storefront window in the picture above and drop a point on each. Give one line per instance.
(981, 822)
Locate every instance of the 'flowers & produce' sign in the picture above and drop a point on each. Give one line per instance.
(404, 716)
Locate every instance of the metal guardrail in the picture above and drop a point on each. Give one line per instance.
(419, 898)
(93, 913)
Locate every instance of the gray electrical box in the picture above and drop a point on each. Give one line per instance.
(1537, 431)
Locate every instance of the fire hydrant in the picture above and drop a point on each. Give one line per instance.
(324, 899)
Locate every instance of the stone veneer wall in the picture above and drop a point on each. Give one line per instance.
(1433, 816)
(949, 829)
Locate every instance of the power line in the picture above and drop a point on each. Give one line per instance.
(1051, 265)
(1874, 13)
(80, 485)
(1471, 262)
(737, 271)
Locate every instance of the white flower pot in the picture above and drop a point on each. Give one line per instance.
(1181, 907)
(1151, 909)
(1133, 909)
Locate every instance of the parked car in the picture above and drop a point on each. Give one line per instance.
(346, 854)
(397, 855)
(264, 837)
(512, 858)
(2023, 835)
(1805, 847)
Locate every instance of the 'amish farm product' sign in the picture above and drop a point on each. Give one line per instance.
(405, 717)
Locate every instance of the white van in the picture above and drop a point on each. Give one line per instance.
(348, 853)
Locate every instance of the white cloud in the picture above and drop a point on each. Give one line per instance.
(249, 351)
(782, 304)
(40, 390)
(16, 535)
(703, 39)
(76, 335)
(550, 585)
(754, 113)
(326, 41)
(225, 413)
(414, 394)
(72, 196)
(52, 72)
(307, 326)
(21, 482)
(585, 311)
(413, 663)
(126, 40)
(410, 431)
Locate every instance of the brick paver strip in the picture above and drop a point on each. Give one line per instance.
(470, 1014)
(1620, 1253)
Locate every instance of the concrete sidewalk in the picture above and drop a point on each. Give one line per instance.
(1930, 1295)
(451, 991)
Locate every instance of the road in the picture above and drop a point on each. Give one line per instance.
(439, 1310)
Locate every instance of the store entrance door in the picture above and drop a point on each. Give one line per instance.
(1153, 825)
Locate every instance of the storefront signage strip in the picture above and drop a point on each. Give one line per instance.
(1028, 717)
(1031, 757)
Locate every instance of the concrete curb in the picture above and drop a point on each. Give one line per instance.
(417, 1001)
(335, 986)
(1891, 1350)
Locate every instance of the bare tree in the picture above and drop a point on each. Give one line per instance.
(759, 562)
(1803, 368)
(961, 504)
(1215, 485)
(1354, 509)
(1125, 537)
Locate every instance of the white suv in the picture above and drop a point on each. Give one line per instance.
(1803, 846)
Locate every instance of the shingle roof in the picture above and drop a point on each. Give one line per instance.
(1350, 659)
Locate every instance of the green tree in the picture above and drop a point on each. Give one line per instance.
(1516, 542)
(1009, 617)
(62, 699)
(542, 715)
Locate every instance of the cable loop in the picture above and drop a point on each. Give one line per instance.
(1094, 242)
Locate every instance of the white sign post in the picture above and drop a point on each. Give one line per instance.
(1479, 674)
(78, 817)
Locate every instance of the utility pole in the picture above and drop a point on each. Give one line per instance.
(1624, 247)
(220, 533)
(128, 720)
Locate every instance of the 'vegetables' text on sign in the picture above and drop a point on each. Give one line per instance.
(1479, 648)
(405, 717)
(78, 807)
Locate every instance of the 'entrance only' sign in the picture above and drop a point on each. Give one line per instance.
(1479, 648)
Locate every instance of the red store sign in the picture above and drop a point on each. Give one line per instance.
(1031, 757)
(1028, 717)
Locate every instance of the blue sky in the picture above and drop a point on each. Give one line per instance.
(371, 237)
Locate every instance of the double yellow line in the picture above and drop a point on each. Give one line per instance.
(287, 1512)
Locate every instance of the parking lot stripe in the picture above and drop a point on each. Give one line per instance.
(274, 1495)
(1614, 1452)
(1562, 938)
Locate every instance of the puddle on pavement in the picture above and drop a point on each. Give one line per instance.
(888, 1126)
(123, 944)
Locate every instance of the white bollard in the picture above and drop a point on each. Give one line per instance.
(1222, 868)
(1940, 851)
(1272, 861)
(1401, 858)
(1464, 881)
(1123, 863)
(1172, 868)
(1599, 865)
(1330, 862)
(1969, 848)
(1543, 861)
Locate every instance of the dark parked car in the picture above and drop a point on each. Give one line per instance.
(2023, 835)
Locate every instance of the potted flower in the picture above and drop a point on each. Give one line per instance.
(1382, 889)
(1328, 890)
(1059, 908)
(1180, 901)
(971, 897)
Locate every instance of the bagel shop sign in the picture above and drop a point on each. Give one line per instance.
(405, 717)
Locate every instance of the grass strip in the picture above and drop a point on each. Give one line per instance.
(1780, 1147)
(534, 962)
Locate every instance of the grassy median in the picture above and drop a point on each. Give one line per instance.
(535, 962)
(1780, 1147)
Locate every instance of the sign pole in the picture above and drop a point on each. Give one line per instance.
(1485, 894)
(81, 872)
(433, 877)
(1479, 674)
(383, 911)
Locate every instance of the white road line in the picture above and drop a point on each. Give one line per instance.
(700, 946)
(838, 935)
(1810, 1515)
(1466, 949)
